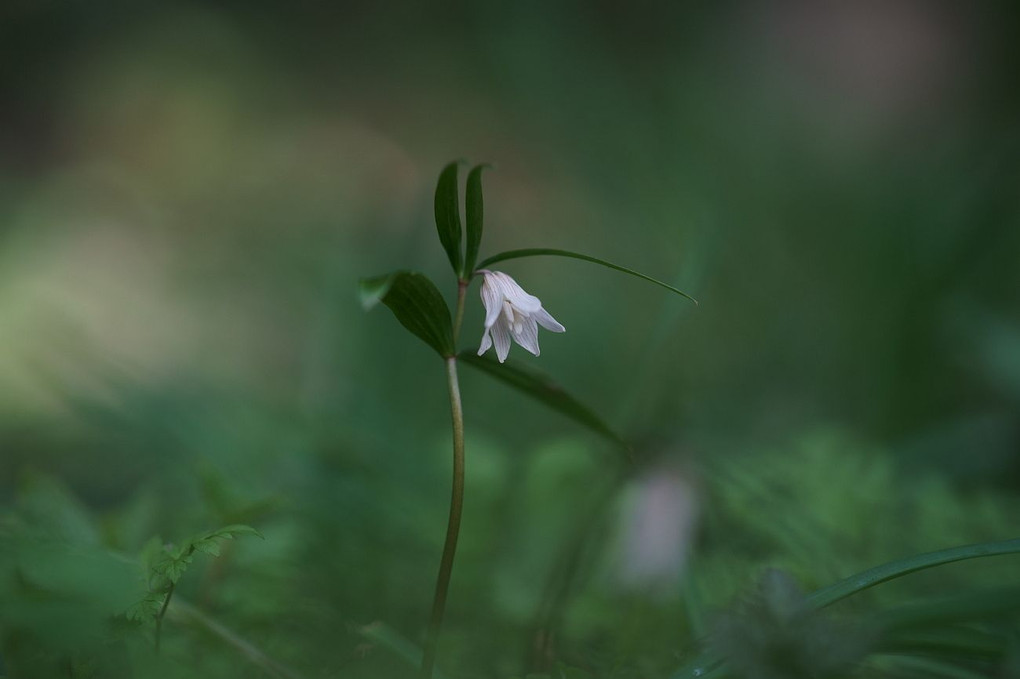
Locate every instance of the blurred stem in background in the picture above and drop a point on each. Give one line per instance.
(569, 570)
(456, 499)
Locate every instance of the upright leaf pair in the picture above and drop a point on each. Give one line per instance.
(411, 296)
(448, 218)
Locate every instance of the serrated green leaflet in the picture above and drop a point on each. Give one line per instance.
(417, 304)
(549, 252)
(166, 565)
(171, 563)
(473, 207)
(448, 215)
(543, 389)
(210, 542)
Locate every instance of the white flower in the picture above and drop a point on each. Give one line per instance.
(511, 312)
(657, 531)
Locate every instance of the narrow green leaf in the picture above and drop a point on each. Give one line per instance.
(960, 642)
(385, 636)
(911, 564)
(417, 304)
(543, 389)
(928, 668)
(538, 252)
(706, 665)
(448, 215)
(968, 605)
(475, 217)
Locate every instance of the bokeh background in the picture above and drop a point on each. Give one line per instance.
(189, 193)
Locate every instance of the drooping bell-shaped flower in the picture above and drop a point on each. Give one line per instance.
(511, 312)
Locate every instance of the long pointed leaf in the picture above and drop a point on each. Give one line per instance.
(539, 252)
(417, 304)
(968, 605)
(911, 564)
(474, 213)
(543, 389)
(707, 664)
(929, 668)
(448, 215)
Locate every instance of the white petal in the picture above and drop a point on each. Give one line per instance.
(547, 321)
(526, 334)
(486, 342)
(518, 324)
(492, 299)
(501, 338)
(508, 313)
(515, 294)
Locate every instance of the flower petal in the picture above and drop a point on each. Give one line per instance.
(501, 338)
(492, 299)
(526, 334)
(547, 321)
(515, 294)
(508, 313)
(486, 342)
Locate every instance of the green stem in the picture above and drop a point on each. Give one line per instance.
(162, 612)
(565, 575)
(456, 500)
(462, 286)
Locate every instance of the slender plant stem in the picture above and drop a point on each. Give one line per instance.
(456, 499)
(452, 528)
(162, 613)
(462, 286)
(565, 575)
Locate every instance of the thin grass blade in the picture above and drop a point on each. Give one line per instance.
(550, 252)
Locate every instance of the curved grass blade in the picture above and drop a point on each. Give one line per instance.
(952, 642)
(540, 387)
(448, 215)
(474, 213)
(385, 636)
(970, 605)
(912, 666)
(417, 304)
(538, 252)
(895, 569)
(707, 665)
(248, 650)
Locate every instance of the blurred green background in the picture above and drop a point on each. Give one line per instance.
(189, 193)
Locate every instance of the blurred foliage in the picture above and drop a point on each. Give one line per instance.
(325, 592)
(189, 193)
